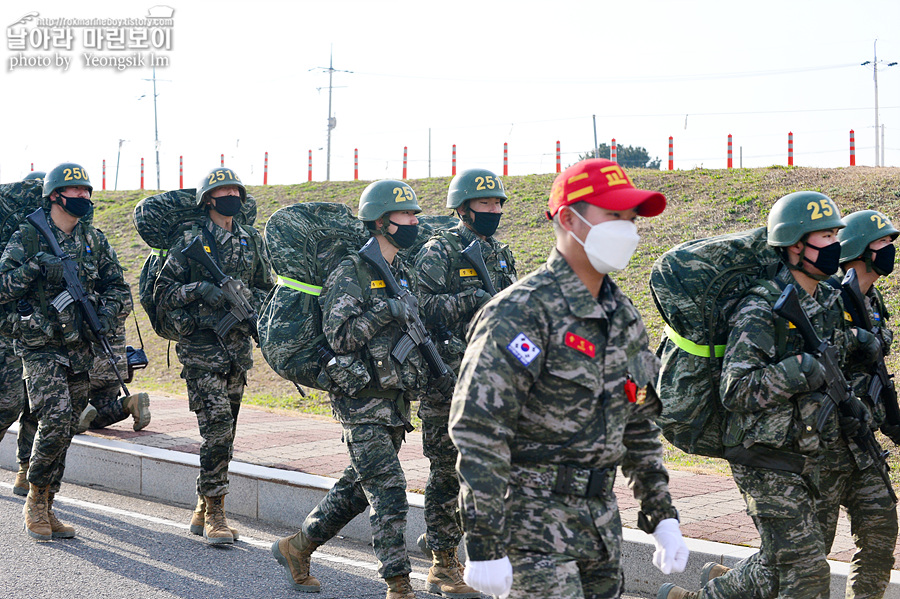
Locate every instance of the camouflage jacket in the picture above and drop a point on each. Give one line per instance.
(549, 378)
(447, 283)
(176, 288)
(359, 328)
(51, 334)
(767, 396)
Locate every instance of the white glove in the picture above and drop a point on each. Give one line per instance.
(492, 577)
(671, 553)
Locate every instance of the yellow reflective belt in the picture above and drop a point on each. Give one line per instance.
(299, 285)
(691, 347)
(158, 252)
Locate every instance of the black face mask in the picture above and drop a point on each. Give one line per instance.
(883, 263)
(405, 235)
(228, 205)
(76, 206)
(829, 258)
(485, 223)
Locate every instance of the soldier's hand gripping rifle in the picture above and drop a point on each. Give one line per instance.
(837, 390)
(472, 253)
(881, 387)
(415, 333)
(240, 309)
(74, 291)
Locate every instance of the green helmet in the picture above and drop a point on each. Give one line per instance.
(219, 177)
(67, 174)
(384, 196)
(863, 228)
(35, 175)
(799, 213)
(474, 183)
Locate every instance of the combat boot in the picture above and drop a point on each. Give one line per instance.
(399, 587)
(422, 542)
(37, 523)
(711, 570)
(59, 530)
(198, 519)
(215, 526)
(20, 486)
(85, 420)
(293, 553)
(446, 577)
(670, 591)
(138, 405)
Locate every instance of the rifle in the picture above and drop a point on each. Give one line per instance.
(415, 334)
(74, 291)
(472, 253)
(881, 387)
(837, 390)
(241, 310)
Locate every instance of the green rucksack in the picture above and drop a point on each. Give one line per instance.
(696, 286)
(161, 220)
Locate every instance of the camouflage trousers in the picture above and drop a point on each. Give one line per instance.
(216, 400)
(105, 399)
(563, 546)
(56, 397)
(12, 391)
(442, 525)
(375, 479)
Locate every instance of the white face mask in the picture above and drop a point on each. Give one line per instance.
(609, 245)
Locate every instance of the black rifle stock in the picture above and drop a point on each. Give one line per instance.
(415, 333)
(472, 253)
(240, 310)
(837, 390)
(75, 290)
(881, 387)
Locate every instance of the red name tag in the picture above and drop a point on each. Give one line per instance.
(581, 344)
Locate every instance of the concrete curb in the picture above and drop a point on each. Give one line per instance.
(286, 497)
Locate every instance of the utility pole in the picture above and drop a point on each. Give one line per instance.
(118, 159)
(155, 126)
(879, 159)
(332, 121)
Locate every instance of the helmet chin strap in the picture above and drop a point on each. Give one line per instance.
(799, 266)
(383, 230)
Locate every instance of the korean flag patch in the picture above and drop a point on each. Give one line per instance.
(523, 349)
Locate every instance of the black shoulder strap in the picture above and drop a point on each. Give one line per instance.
(32, 245)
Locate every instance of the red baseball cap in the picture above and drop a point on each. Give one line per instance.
(602, 183)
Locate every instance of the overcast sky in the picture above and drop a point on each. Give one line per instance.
(245, 78)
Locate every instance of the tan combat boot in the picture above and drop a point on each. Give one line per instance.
(293, 553)
(59, 530)
(20, 486)
(85, 420)
(446, 577)
(670, 591)
(198, 519)
(711, 570)
(215, 526)
(138, 405)
(37, 523)
(399, 587)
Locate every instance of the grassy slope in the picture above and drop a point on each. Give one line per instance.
(702, 202)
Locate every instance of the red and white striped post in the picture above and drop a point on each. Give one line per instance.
(671, 153)
(404, 162)
(309, 178)
(790, 148)
(181, 172)
(558, 163)
(32, 167)
(852, 149)
(355, 164)
(223, 159)
(454, 160)
(104, 175)
(505, 159)
(614, 151)
(730, 160)
(142, 173)
(266, 169)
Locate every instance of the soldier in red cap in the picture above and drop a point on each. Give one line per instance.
(555, 391)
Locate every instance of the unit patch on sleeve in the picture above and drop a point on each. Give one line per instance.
(523, 349)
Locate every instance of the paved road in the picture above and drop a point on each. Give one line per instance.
(131, 548)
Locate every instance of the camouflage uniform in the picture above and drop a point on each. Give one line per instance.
(105, 386)
(13, 403)
(373, 412)
(447, 285)
(214, 369)
(55, 353)
(555, 383)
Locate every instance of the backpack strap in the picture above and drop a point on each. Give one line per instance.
(32, 246)
(770, 290)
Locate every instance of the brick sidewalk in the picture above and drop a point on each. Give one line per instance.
(710, 506)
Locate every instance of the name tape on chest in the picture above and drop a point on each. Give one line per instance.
(581, 344)
(524, 349)
(467, 272)
(377, 284)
